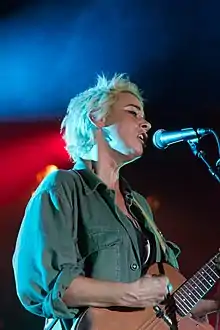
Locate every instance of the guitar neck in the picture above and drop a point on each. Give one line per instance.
(194, 289)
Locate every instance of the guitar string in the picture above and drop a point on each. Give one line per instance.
(200, 273)
(195, 287)
(198, 277)
(157, 324)
(180, 302)
(184, 309)
(185, 301)
(190, 294)
(203, 273)
(212, 271)
(150, 322)
(157, 321)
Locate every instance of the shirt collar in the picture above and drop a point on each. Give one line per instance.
(91, 182)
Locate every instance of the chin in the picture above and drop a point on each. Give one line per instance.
(134, 156)
(138, 152)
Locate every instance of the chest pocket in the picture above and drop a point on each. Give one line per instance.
(101, 254)
(99, 239)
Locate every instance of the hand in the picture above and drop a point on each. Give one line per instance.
(149, 291)
(201, 319)
(204, 307)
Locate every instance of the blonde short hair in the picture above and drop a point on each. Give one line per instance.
(76, 128)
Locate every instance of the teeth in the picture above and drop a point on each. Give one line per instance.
(141, 137)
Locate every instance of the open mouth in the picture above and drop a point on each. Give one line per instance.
(143, 138)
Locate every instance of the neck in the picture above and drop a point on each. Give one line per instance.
(107, 170)
(105, 162)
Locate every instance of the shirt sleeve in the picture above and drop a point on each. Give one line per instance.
(46, 257)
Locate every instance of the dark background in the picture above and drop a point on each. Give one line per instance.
(51, 50)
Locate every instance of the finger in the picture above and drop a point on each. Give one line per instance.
(147, 276)
(169, 287)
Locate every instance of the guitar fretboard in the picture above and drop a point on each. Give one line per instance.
(194, 289)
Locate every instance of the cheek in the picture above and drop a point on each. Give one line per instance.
(124, 133)
(126, 128)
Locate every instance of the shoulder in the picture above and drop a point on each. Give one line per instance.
(59, 188)
(59, 180)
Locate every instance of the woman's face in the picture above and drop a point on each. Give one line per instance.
(126, 126)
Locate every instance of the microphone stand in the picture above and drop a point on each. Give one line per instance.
(201, 154)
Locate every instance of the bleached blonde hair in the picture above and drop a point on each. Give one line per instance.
(77, 128)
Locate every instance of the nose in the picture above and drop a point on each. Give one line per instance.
(146, 125)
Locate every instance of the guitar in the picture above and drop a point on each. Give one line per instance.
(187, 293)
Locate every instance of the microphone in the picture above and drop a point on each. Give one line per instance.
(162, 139)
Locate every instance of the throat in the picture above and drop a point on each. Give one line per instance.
(108, 174)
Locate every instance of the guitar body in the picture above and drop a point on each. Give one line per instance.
(145, 319)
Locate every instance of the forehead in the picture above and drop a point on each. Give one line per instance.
(126, 99)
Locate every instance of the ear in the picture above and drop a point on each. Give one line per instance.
(99, 123)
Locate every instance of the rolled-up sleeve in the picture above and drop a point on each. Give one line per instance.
(46, 257)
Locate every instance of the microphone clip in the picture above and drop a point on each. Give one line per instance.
(193, 143)
(201, 154)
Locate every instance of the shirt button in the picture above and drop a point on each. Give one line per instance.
(134, 266)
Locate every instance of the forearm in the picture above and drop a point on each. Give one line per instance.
(84, 291)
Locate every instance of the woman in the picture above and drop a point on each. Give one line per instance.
(85, 239)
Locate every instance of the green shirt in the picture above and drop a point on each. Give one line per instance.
(72, 227)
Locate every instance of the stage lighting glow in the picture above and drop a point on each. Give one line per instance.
(42, 174)
(48, 169)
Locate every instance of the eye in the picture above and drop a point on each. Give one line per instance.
(133, 113)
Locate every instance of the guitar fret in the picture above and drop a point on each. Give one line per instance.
(190, 293)
(213, 269)
(203, 277)
(213, 260)
(185, 303)
(213, 272)
(193, 290)
(196, 292)
(198, 288)
(182, 310)
(207, 270)
(204, 273)
(199, 280)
